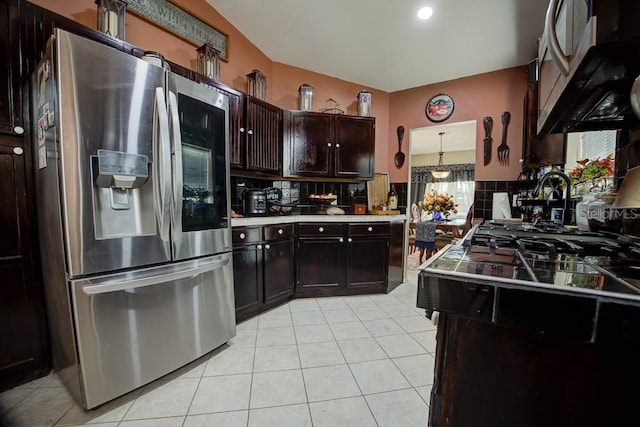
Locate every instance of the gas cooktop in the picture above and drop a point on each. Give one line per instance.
(545, 256)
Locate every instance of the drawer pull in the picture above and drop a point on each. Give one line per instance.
(267, 246)
(370, 229)
(337, 145)
(329, 145)
(280, 231)
(259, 246)
(349, 240)
(242, 236)
(321, 229)
(341, 240)
(241, 130)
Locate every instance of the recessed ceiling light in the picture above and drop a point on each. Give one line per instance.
(425, 13)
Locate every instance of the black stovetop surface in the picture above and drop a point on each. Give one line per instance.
(548, 256)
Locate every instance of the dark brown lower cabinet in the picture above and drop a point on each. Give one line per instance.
(321, 259)
(341, 259)
(278, 270)
(367, 255)
(395, 275)
(23, 333)
(262, 267)
(496, 376)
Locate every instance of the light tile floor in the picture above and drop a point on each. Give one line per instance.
(340, 361)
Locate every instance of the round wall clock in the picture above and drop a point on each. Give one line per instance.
(439, 108)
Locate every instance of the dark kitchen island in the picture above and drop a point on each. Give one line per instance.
(526, 339)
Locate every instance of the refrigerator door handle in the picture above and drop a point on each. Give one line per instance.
(177, 167)
(162, 156)
(120, 285)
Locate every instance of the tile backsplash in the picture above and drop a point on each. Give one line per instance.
(347, 193)
(483, 197)
(298, 191)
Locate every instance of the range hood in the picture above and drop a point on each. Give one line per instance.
(594, 90)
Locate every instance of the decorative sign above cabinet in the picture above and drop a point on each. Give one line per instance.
(181, 23)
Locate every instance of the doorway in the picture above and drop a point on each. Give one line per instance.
(458, 147)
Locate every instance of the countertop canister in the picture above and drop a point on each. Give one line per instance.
(364, 103)
(305, 97)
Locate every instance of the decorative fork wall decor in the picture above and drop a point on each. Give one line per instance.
(503, 148)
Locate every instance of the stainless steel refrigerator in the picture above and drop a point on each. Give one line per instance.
(132, 185)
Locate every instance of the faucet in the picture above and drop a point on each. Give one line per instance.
(566, 217)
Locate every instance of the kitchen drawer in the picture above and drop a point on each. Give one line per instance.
(320, 229)
(245, 235)
(369, 229)
(278, 232)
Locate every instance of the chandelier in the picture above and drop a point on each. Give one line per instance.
(440, 171)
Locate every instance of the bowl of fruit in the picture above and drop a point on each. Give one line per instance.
(322, 201)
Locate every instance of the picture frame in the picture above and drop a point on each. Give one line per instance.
(439, 108)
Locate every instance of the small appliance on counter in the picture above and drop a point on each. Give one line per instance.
(255, 202)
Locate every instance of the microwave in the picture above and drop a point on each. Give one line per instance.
(588, 59)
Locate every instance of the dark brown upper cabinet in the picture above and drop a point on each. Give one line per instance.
(328, 145)
(263, 136)
(10, 93)
(255, 132)
(539, 150)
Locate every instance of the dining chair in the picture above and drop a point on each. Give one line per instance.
(412, 237)
(425, 238)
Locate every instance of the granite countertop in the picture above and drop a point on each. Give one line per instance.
(289, 219)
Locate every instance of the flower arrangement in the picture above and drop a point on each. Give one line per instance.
(595, 171)
(438, 203)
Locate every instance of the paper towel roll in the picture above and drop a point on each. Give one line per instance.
(501, 206)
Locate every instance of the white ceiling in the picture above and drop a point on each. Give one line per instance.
(460, 136)
(381, 44)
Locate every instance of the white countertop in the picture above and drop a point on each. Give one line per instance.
(288, 219)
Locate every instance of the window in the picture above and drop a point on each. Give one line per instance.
(589, 145)
(462, 191)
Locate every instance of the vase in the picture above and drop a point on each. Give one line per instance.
(437, 216)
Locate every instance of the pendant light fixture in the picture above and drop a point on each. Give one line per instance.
(440, 172)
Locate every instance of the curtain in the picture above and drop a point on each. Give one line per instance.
(460, 183)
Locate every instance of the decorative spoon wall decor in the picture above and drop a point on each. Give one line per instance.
(398, 159)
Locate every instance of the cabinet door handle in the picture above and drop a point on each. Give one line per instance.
(337, 145)
(329, 145)
(349, 240)
(241, 130)
(370, 229)
(280, 231)
(242, 236)
(552, 39)
(341, 240)
(267, 246)
(249, 132)
(321, 229)
(259, 246)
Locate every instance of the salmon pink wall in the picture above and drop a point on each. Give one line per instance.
(243, 56)
(475, 97)
(282, 80)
